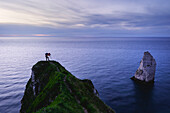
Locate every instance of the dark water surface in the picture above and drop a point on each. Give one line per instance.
(108, 62)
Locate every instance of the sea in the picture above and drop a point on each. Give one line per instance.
(108, 62)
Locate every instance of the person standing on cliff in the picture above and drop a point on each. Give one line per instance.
(47, 56)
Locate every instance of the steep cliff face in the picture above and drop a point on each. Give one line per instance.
(146, 70)
(52, 89)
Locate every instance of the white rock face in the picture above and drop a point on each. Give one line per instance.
(33, 81)
(147, 68)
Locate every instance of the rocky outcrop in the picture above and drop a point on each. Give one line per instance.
(146, 70)
(53, 89)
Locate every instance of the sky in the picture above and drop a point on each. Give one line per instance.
(85, 18)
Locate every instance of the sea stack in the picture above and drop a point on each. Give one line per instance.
(146, 71)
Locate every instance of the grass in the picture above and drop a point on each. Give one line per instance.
(58, 91)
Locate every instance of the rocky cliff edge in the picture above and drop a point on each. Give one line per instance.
(52, 89)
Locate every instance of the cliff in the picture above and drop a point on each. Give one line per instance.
(52, 89)
(146, 70)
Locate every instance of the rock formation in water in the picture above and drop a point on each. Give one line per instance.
(146, 70)
(53, 89)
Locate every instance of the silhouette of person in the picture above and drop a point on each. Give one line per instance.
(47, 56)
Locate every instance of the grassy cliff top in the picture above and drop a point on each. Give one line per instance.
(52, 89)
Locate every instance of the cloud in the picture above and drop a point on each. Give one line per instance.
(109, 16)
(130, 21)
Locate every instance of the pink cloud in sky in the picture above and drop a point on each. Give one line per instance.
(27, 35)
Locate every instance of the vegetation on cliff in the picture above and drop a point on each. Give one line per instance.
(52, 89)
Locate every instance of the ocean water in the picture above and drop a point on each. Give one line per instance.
(108, 62)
